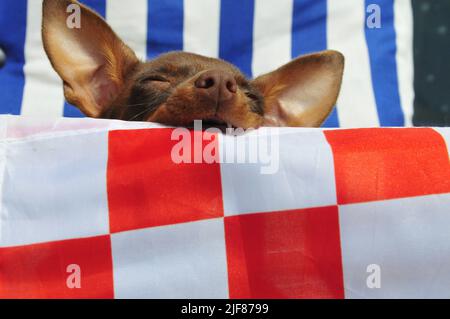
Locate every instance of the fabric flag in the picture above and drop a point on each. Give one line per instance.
(99, 209)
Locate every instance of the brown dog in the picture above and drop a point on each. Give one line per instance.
(103, 77)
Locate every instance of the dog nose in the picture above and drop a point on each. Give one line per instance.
(218, 85)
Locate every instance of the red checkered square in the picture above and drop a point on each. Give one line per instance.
(378, 164)
(292, 254)
(147, 188)
(40, 270)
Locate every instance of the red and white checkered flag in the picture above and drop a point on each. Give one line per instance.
(361, 213)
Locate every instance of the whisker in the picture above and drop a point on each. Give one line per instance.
(139, 114)
(133, 105)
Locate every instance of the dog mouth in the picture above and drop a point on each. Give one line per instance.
(214, 122)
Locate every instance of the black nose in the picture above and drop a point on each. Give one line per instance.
(217, 85)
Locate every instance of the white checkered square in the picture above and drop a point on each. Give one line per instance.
(409, 239)
(302, 172)
(178, 261)
(54, 188)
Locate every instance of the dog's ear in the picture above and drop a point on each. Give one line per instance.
(90, 58)
(302, 92)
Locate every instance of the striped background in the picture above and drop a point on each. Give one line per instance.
(256, 35)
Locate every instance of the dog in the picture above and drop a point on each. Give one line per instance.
(103, 78)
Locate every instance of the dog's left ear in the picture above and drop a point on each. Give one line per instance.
(302, 92)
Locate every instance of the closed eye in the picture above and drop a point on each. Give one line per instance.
(252, 96)
(154, 78)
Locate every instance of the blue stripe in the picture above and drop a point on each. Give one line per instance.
(236, 33)
(309, 27)
(165, 27)
(98, 6)
(13, 22)
(309, 34)
(382, 51)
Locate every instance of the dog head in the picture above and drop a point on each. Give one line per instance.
(103, 77)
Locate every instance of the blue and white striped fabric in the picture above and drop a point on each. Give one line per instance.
(255, 35)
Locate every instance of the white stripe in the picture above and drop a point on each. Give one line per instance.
(43, 93)
(201, 27)
(272, 35)
(405, 62)
(129, 21)
(345, 29)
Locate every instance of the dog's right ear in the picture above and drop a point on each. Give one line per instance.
(91, 60)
